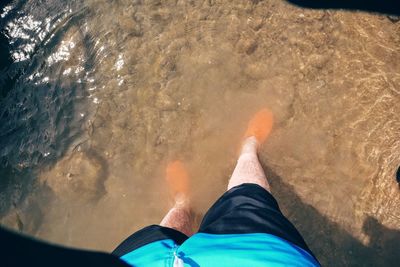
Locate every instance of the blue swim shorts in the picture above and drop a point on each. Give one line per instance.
(245, 227)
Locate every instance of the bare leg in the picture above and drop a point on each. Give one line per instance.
(180, 216)
(248, 168)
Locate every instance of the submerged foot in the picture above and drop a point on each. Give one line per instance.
(258, 129)
(180, 216)
(178, 182)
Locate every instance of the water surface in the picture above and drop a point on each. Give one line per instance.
(101, 94)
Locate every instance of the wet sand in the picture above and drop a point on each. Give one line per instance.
(172, 80)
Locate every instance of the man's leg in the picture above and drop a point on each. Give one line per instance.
(180, 216)
(154, 244)
(248, 216)
(248, 169)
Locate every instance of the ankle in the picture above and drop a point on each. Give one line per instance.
(182, 201)
(250, 146)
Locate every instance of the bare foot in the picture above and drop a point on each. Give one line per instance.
(178, 182)
(180, 216)
(259, 127)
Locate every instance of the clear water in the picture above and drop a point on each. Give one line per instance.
(98, 95)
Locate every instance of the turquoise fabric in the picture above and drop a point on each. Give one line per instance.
(157, 254)
(257, 249)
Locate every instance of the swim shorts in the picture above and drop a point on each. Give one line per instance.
(245, 227)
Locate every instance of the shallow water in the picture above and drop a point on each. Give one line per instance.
(101, 94)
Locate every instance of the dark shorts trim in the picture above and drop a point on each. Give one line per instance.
(148, 235)
(249, 208)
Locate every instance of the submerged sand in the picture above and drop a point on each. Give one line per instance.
(180, 79)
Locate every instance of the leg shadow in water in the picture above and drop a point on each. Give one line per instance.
(390, 7)
(332, 245)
